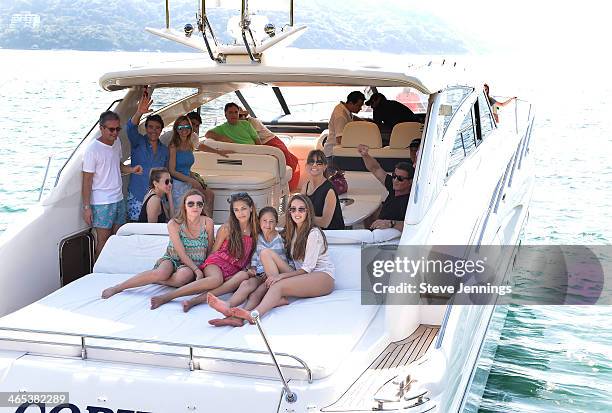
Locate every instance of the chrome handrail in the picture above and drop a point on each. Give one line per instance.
(290, 396)
(190, 346)
(42, 186)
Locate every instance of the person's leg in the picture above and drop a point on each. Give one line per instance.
(247, 286)
(246, 289)
(227, 321)
(314, 284)
(102, 222)
(255, 297)
(213, 277)
(102, 235)
(182, 276)
(227, 287)
(230, 285)
(273, 264)
(157, 275)
(290, 159)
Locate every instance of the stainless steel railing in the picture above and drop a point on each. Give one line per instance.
(84, 346)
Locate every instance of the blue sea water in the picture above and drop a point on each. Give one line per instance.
(550, 359)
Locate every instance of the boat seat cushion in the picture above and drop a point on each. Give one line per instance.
(133, 250)
(361, 132)
(403, 133)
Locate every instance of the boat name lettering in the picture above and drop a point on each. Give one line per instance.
(69, 408)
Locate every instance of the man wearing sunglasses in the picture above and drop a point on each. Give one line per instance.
(102, 189)
(393, 210)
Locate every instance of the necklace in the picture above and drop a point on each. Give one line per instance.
(190, 232)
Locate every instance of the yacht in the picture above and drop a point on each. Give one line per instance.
(63, 348)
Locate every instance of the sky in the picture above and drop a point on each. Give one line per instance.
(524, 26)
(537, 27)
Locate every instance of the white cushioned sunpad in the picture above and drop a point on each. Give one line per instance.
(131, 254)
(296, 329)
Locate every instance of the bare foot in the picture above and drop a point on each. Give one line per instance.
(157, 301)
(189, 304)
(109, 292)
(219, 305)
(242, 313)
(227, 321)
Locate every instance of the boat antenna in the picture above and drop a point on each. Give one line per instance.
(204, 24)
(245, 23)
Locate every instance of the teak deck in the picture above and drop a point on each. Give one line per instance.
(360, 396)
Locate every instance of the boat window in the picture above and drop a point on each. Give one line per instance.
(410, 97)
(450, 98)
(463, 144)
(263, 101)
(486, 118)
(212, 112)
(467, 133)
(162, 97)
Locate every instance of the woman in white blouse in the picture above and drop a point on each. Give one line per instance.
(312, 274)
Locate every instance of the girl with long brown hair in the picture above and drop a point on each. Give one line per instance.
(180, 161)
(191, 238)
(231, 253)
(309, 273)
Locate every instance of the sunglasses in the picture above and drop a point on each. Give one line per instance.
(112, 130)
(313, 162)
(191, 204)
(167, 182)
(399, 178)
(294, 209)
(183, 127)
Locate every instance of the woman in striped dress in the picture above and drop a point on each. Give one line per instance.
(191, 239)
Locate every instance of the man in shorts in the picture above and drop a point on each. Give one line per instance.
(102, 190)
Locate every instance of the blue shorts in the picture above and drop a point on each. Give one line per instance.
(134, 206)
(107, 215)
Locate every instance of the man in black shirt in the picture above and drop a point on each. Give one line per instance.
(393, 209)
(388, 113)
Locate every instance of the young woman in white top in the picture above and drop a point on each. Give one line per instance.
(312, 273)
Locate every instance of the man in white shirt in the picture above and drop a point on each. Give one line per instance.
(102, 190)
(341, 115)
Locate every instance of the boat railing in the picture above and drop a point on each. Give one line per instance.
(84, 345)
(59, 173)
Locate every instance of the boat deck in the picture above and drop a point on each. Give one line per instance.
(398, 355)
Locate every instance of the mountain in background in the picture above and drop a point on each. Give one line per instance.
(119, 25)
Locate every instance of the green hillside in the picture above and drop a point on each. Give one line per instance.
(118, 25)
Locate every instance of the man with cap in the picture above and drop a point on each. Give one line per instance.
(342, 114)
(393, 209)
(388, 113)
(414, 150)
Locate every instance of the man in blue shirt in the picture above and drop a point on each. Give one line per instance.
(147, 151)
